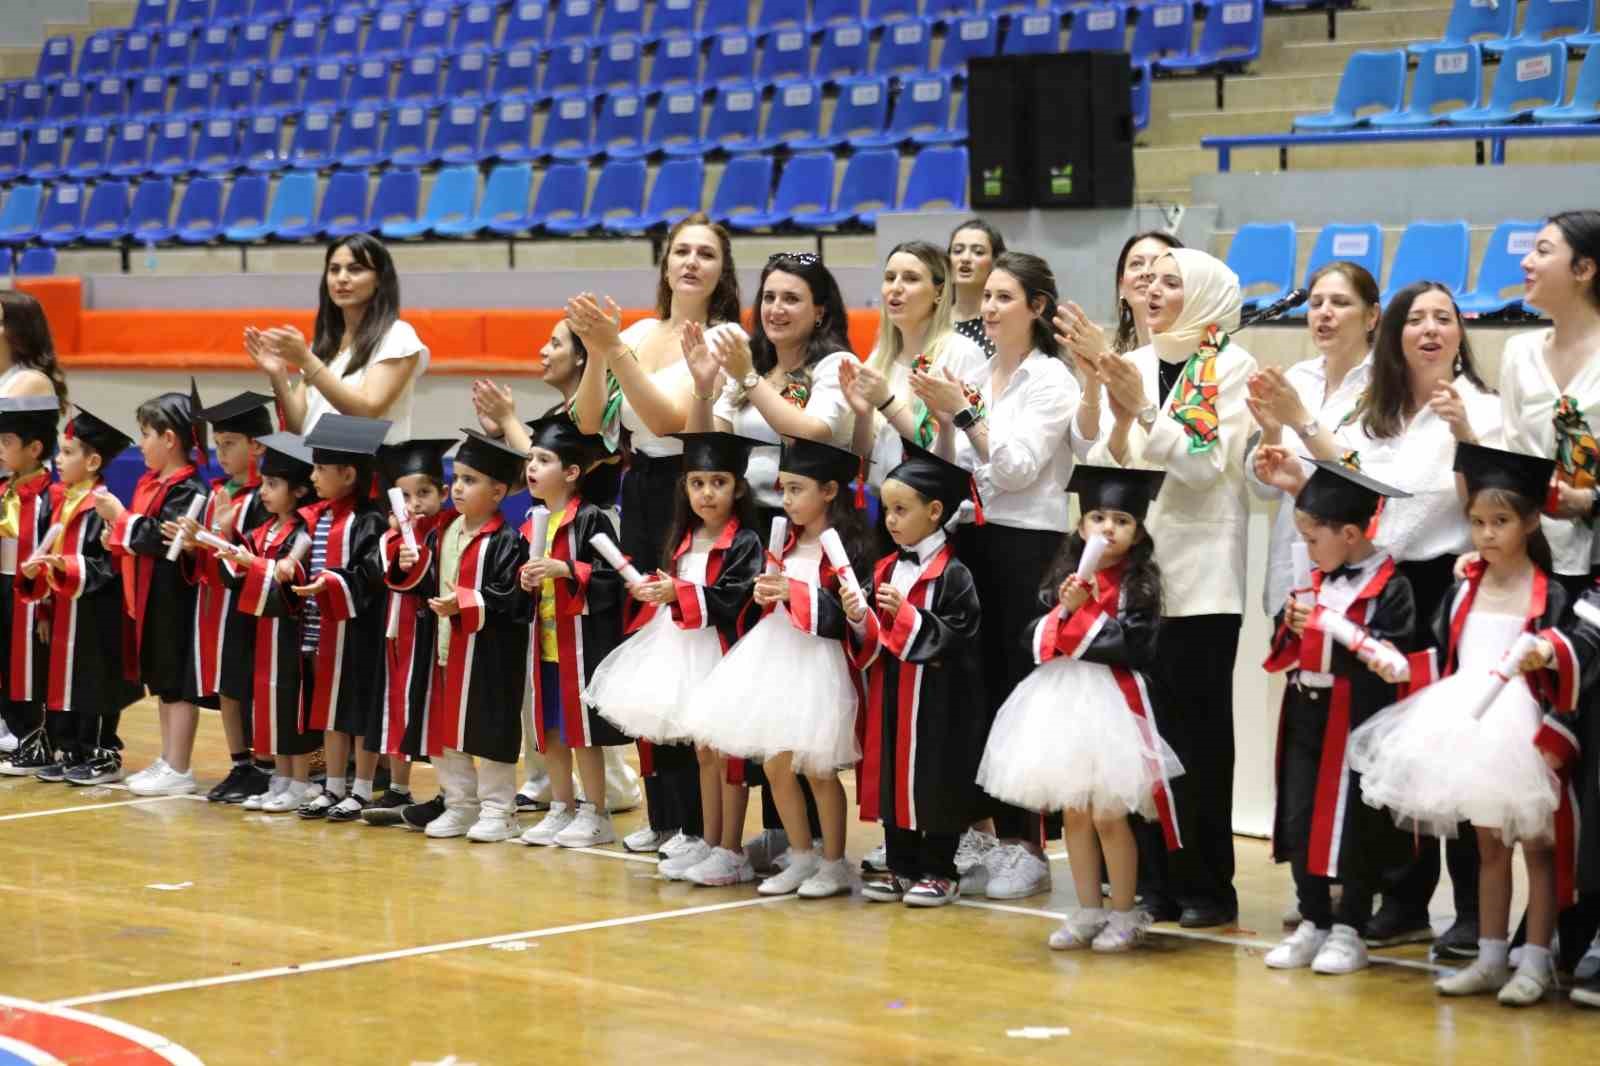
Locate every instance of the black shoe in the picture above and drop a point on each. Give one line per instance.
(418, 815)
(1460, 941)
(394, 798)
(233, 780)
(528, 803)
(1207, 916)
(380, 778)
(100, 768)
(256, 784)
(52, 773)
(1160, 908)
(348, 809)
(32, 755)
(388, 809)
(1393, 925)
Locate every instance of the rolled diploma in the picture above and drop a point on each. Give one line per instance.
(605, 546)
(1300, 568)
(1093, 549)
(833, 548)
(43, 547)
(1587, 612)
(214, 542)
(1349, 635)
(402, 516)
(775, 542)
(301, 549)
(538, 531)
(1502, 674)
(196, 506)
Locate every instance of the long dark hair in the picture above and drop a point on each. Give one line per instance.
(832, 331)
(997, 240)
(1141, 584)
(28, 333)
(1038, 282)
(382, 311)
(1388, 398)
(684, 519)
(1360, 279)
(1127, 337)
(852, 529)
(1525, 508)
(724, 305)
(1582, 232)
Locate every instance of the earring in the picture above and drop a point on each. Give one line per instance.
(1455, 366)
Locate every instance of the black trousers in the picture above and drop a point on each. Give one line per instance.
(79, 734)
(914, 854)
(1304, 729)
(1008, 565)
(1194, 712)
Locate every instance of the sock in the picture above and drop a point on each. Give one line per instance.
(1535, 957)
(1493, 952)
(335, 787)
(363, 789)
(1090, 914)
(276, 784)
(240, 758)
(399, 790)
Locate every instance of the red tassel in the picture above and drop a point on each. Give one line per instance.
(861, 486)
(1552, 500)
(1372, 526)
(977, 502)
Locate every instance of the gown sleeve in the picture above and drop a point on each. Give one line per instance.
(724, 602)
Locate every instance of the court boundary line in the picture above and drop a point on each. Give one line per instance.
(95, 807)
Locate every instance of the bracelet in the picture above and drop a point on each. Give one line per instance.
(310, 375)
(887, 401)
(708, 396)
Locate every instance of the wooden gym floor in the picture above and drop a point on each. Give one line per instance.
(255, 938)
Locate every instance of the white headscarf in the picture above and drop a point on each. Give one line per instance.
(1210, 297)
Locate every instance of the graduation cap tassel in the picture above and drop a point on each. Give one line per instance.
(1372, 525)
(861, 486)
(977, 503)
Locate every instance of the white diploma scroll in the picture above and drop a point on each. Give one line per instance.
(833, 548)
(538, 531)
(613, 555)
(196, 507)
(775, 542)
(1093, 549)
(402, 517)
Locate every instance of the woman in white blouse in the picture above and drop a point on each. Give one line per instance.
(1313, 397)
(363, 359)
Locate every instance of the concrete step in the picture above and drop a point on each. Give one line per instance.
(1412, 21)
(111, 14)
(1331, 56)
(1179, 128)
(1170, 167)
(18, 62)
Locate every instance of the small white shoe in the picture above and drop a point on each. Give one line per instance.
(166, 782)
(1296, 951)
(801, 867)
(830, 879)
(675, 844)
(1016, 873)
(275, 786)
(1476, 980)
(722, 867)
(8, 740)
(675, 868)
(1343, 952)
(588, 830)
(146, 774)
(1528, 986)
(645, 839)
(1123, 932)
(287, 800)
(876, 861)
(544, 834)
(493, 828)
(454, 822)
(1079, 930)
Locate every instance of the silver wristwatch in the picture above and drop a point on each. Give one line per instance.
(1309, 431)
(1147, 416)
(750, 380)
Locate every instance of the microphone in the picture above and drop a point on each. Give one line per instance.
(1295, 298)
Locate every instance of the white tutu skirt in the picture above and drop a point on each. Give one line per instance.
(1066, 739)
(1433, 765)
(644, 684)
(779, 690)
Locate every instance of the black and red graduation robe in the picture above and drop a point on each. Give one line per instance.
(925, 720)
(411, 638)
(348, 692)
(1346, 837)
(27, 657)
(158, 640)
(222, 653)
(1575, 731)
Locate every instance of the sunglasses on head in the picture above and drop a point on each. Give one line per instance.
(803, 258)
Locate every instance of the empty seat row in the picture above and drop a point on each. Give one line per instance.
(30, 261)
(1494, 25)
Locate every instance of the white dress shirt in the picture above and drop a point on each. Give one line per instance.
(1336, 596)
(906, 572)
(826, 403)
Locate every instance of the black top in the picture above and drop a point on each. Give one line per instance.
(972, 329)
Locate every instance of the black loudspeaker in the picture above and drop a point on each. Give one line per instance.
(1051, 131)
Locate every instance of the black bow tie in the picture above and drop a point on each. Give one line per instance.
(1350, 573)
(910, 556)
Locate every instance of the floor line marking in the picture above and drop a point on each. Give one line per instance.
(94, 807)
(407, 953)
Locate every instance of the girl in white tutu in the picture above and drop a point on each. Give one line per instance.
(683, 621)
(1472, 747)
(1078, 734)
(785, 694)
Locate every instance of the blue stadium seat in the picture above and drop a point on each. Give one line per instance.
(1230, 37)
(262, 148)
(130, 152)
(1164, 30)
(252, 44)
(19, 218)
(61, 222)
(191, 14)
(675, 194)
(1585, 103)
(843, 53)
(359, 142)
(504, 209)
(312, 145)
(212, 48)
(796, 112)
(566, 69)
(806, 185)
(474, 27)
(467, 78)
(526, 24)
(510, 133)
(1263, 253)
(938, 181)
(10, 153)
(516, 75)
(300, 41)
(278, 90)
(732, 57)
(55, 59)
(42, 160)
(297, 197)
(419, 80)
(717, 16)
(956, 131)
(904, 48)
(861, 112)
(395, 202)
(777, 14)
(1361, 244)
(135, 53)
(405, 141)
(193, 95)
(675, 126)
(106, 218)
(619, 131)
(341, 39)
(251, 220)
(744, 188)
(677, 62)
(151, 210)
(825, 13)
(560, 195)
(568, 130)
(149, 14)
(1429, 251)
(869, 185)
(923, 106)
(1472, 19)
(430, 31)
(27, 108)
(618, 192)
(386, 36)
(36, 262)
(457, 138)
(5, 261)
(1448, 78)
(236, 90)
(228, 12)
(344, 205)
(99, 55)
(617, 63)
(968, 37)
(1098, 28)
(881, 11)
(168, 54)
(617, 18)
(453, 198)
(574, 21)
(1036, 32)
(147, 96)
(200, 212)
(87, 156)
(270, 11)
(369, 84)
(1370, 79)
(672, 16)
(785, 54)
(1501, 269)
(1530, 76)
(735, 121)
(66, 101)
(216, 150)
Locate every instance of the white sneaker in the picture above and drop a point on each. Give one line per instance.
(1016, 874)
(876, 861)
(800, 868)
(675, 844)
(1479, 978)
(536, 789)
(493, 828)
(288, 800)
(1588, 967)
(830, 879)
(274, 786)
(1079, 930)
(673, 869)
(543, 835)
(146, 774)
(8, 740)
(589, 829)
(454, 822)
(1343, 952)
(1528, 986)
(721, 867)
(766, 850)
(1123, 932)
(1297, 950)
(974, 845)
(166, 782)
(645, 839)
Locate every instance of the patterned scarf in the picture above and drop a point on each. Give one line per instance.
(1577, 454)
(1195, 404)
(927, 425)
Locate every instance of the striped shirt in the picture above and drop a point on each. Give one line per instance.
(311, 620)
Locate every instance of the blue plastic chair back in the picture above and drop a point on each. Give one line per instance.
(369, 84)
(474, 27)
(904, 48)
(672, 16)
(217, 147)
(527, 23)
(732, 57)
(785, 54)
(419, 79)
(150, 13)
(1501, 267)
(130, 150)
(10, 153)
(745, 185)
(1530, 73)
(1470, 19)
(938, 179)
(617, 64)
(228, 12)
(236, 90)
(169, 54)
(1098, 28)
(1165, 28)
(107, 213)
(968, 37)
(152, 208)
(278, 91)
(193, 95)
(923, 106)
(777, 13)
(359, 141)
(505, 196)
(796, 112)
(454, 197)
(719, 15)
(862, 109)
(879, 11)
(172, 151)
(36, 262)
(252, 44)
(566, 68)
(405, 138)
(386, 36)
(620, 188)
(574, 21)
(66, 102)
(396, 198)
(344, 204)
(29, 103)
(806, 184)
(869, 182)
(294, 203)
(1232, 31)
(677, 62)
(201, 207)
(1263, 254)
(621, 16)
(313, 139)
(212, 47)
(568, 125)
(136, 52)
(675, 194)
(99, 55)
(1360, 244)
(844, 51)
(456, 137)
(516, 74)
(677, 119)
(107, 97)
(147, 96)
(561, 192)
(19, 218)
(735, 116)
(342, 37)
(826, 12)
(55, 59)
(510, 127)
(621, 122)
(43, 156)
(1035, 32)
(62, 219)
(300, 41)
(430, 30)
(1447, 77)
(1430, 251)
(262, 146)
(192, 13)
(467, 77)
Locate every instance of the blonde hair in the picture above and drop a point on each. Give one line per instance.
(941, 327)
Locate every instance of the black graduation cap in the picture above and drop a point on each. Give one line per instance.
(818, 461)
(346, 440)
(246, 413)
(30, 417)
(287, 456)
(107, 440)
(425, 455)
(717, 451)
(934, 477)
(1336, 492)
(560, 434)
(1492, 468)
(492, 458)
(1115, 488)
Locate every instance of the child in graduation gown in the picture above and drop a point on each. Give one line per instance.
(683, 622)
(468, 571)
(1079, 733)
(1319, 825)
(915, 633)
(262, 571)
(28, 495)
(79, 590)
(577, 620)
(158, 636)
(1444, 755)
